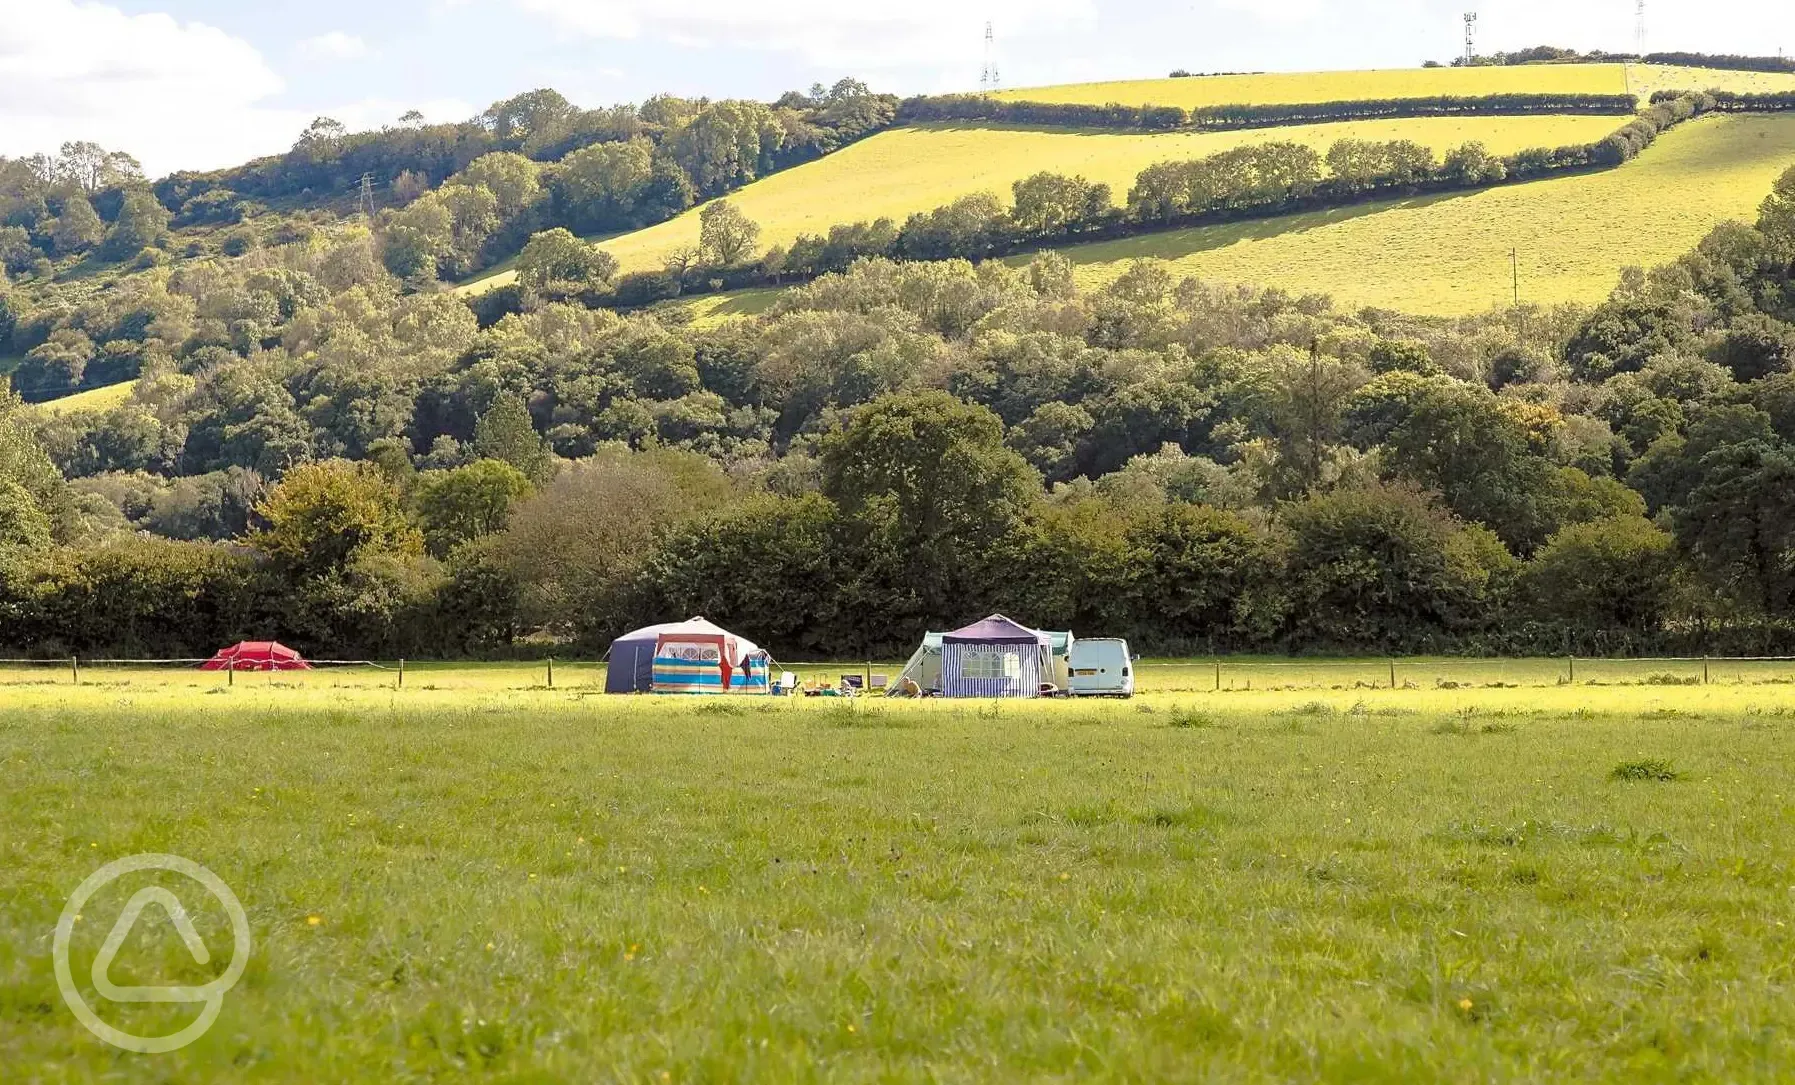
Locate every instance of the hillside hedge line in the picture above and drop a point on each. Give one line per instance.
(1256, 181)
(1728, 61)
(976, 107)
(1726, 101)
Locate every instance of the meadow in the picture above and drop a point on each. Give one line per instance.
(1448, 255)
(94, 399)
(920, 167)
(1282, 88)
(478, 877)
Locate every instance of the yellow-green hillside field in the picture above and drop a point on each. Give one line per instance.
(1275, 88)
(92, 400)
(920, 168)
(1450, 254)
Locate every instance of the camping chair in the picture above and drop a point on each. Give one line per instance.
(881, 681)
(854, 682)
(788, 682)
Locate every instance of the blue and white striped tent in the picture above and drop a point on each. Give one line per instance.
(994, 658)
(694, 656)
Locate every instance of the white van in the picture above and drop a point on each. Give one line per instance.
(1101, 668)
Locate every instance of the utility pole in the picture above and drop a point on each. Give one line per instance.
(1470, 37)
(365, 203)
(1514, 267)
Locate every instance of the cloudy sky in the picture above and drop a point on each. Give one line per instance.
(192, 84)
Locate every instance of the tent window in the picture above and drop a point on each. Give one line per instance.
(991, 664)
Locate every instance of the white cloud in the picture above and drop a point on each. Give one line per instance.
(334, 45)
(867, 35)
(176, 95)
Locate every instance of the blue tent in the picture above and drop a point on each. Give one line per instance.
(632, 661)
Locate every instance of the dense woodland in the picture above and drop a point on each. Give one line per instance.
(315, 453)
(326, 446)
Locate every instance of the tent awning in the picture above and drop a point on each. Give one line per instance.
(996, 629)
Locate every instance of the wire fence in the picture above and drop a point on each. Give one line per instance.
(1222, 675)
(1213, 675)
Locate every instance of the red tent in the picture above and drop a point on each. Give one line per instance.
(256, 655)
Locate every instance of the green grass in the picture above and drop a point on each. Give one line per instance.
(489, 880)
(919, 168)
(92, 400)
(1449, 254)
(1280, 88)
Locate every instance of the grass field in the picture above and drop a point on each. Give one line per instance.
(1280, 88)
(1449, 255)
(492, 880)
(94, 399)
(919, 168)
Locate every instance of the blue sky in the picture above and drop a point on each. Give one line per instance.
(205, 83)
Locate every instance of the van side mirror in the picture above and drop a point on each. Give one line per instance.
(1135, 658)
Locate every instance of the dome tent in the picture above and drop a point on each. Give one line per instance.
(693, 656)
(256, 655)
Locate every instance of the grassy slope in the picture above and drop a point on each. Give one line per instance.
(528, 885)
(1289, 87)
(94, 399)
(920, 168)
(1449, 254)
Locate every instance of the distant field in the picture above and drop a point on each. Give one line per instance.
(911, 169)
(1449, 255)
(94, 399)
(1278, 88)
(498, 882)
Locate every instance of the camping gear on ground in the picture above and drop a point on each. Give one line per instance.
(995, 657)
(256, 655)
(1102, 667)
(693, 656)
(924, 667)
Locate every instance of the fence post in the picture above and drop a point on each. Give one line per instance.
(1218, 674)
(401, 672)
(230, 672)
(1392, 673)
(1704, 670)
(551, 672)
(1572, 660)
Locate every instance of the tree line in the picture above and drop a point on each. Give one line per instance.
(979, 107)
(451, 198)
(1548, 54)
(316, 455)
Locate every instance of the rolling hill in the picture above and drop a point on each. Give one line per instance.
(1449, 254)
(1278, 88)
(920, 167)
(1442, 254)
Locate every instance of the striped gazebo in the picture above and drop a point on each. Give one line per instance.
(993, 658)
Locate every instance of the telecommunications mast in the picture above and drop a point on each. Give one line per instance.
(1470, 37)
(1639, 29)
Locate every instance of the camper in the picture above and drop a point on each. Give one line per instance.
(1102, 667)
